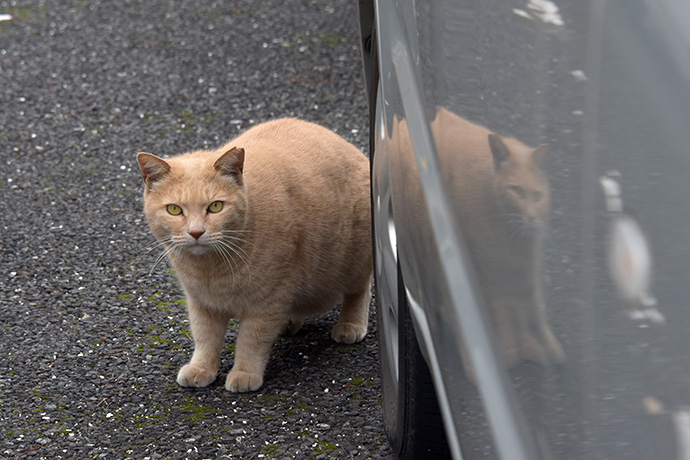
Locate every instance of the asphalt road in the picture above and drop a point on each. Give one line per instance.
(90, 336)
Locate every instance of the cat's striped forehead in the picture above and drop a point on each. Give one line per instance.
(194, 166)
(193, 179)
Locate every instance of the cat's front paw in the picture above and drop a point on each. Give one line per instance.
(556, 352)
(348, 333)
(193, 376)
(241, 382)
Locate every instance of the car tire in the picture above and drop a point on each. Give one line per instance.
(412, 419)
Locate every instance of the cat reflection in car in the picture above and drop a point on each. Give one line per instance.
(501, 194)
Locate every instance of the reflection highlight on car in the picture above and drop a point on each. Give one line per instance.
(531, 229)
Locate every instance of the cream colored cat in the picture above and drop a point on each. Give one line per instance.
(503, 195)
(269, 229)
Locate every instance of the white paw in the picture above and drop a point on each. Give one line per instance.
(193, 376)
(348, 333)
(241, 382)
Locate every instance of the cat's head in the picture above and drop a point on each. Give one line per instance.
(196, 201)
(520, 183)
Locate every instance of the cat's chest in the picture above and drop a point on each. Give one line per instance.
(216, 290)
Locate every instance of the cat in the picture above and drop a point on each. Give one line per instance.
(503, 195)
(269, 229)
(501, 198)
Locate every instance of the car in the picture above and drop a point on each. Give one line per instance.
(530, 178)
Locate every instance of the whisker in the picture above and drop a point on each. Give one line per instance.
(159, 243)
(168, 252)
(235, 240)
(234, 246)
(236, 234)
(237, 251)
(226, 258)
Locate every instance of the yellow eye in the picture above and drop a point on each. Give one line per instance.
(174, 209)
(216, 206)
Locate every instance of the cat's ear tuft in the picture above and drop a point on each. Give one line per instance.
(539, 154)
(231, 163)
(499, 150)
(153, 168)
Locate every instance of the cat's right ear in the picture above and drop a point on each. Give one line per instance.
(499, 150)
(231, 164)
(539, 154)
(153, 168)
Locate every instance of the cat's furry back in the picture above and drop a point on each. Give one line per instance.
(292, 237)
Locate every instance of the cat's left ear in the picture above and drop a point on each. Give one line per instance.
(231, 163)
(539, 154)
(153, 168)
(499, 150)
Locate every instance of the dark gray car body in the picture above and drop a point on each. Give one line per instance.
(606, 84)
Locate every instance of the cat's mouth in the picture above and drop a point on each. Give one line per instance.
(197, 248)
(533, 222)
(527, 226)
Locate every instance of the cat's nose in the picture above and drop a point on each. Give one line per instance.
(196, 234)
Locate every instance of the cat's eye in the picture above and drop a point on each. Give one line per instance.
(174, 209)
(216, 206)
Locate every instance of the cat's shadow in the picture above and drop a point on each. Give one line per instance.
(308, 354)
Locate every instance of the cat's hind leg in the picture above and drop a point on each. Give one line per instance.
(354, 316)
(208, 331)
